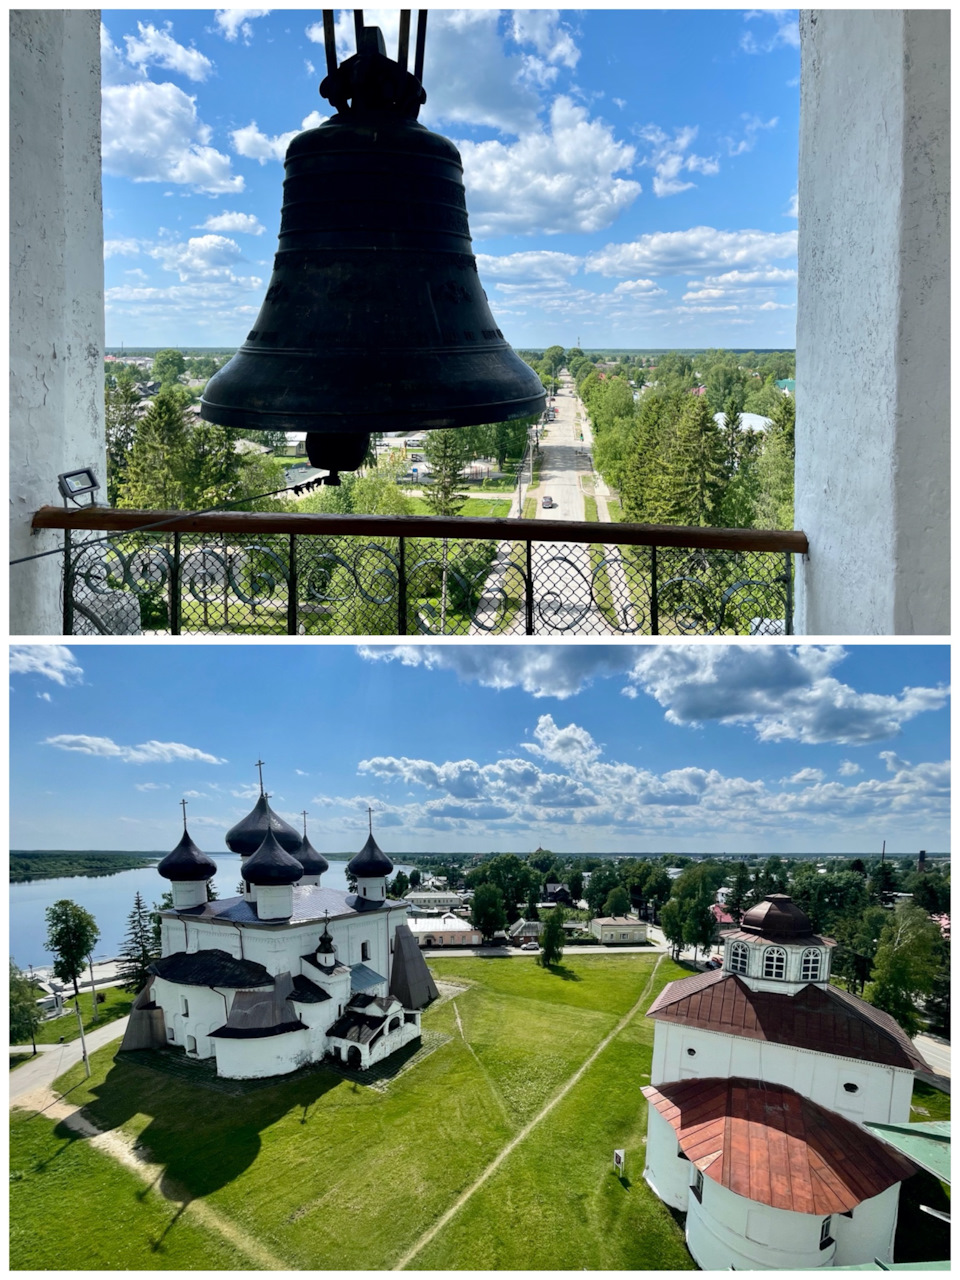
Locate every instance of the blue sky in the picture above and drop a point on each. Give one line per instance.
(631, 175)
(659, 748)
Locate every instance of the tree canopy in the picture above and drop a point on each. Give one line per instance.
(72, 934)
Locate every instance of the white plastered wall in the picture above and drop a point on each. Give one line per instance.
(882, 1093)
(56, 287)
(873, 355)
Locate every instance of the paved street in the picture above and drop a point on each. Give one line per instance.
(53, 1059)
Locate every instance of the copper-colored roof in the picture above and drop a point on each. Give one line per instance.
(777, 916)
(824, 1020)
(774, 1146)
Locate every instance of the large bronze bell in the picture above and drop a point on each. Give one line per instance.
(375, 318)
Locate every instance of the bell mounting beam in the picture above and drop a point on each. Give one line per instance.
(403, 48)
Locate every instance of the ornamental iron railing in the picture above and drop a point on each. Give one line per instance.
(229, 573)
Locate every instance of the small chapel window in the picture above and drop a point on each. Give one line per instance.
(738, 957)
(774, 962)
(826, 1240)
(810, 965)
(364, 950)
(698, 1186)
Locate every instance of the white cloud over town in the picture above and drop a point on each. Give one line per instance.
(694, 250)
(576, 785)
(780, 692)
(156, 47)
(254, 144)
(143, 753)
(232, 23)
(234, 223)
(51, 661)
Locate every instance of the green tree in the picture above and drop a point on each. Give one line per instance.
(400, 885)
(415, 878)
(905, 966)
(165, 903)
(154, 474)
(694, 476)
(617, 902)
(121, 409)
(602, 881)
(657, 889)
(487, 912)
(551, 939)
(672, 918)
(736, 899)
(883, 883)
(576, 885)
(775, 467)
(25, 1015)
(72, 934)
(137, 950)
(168, 366)
(445, 453)
(698, 925)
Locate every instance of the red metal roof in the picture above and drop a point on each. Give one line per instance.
(772, 1145)
(824, 1020)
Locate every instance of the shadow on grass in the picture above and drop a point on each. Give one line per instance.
(203, 1139)
(561, 971)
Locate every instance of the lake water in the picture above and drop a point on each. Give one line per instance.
(109, 899)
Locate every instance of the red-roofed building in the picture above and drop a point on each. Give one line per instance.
(763, 1075)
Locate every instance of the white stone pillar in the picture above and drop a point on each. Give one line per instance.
(873, 355)
(56, 287)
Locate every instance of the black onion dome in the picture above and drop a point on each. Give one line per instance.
(325, 945)
(777, 916)
(187, 862)
(370, 861)
(271, 864)
(313, 863)
(248, 835)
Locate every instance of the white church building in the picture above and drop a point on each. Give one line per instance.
(289, 973)
(763, 1076)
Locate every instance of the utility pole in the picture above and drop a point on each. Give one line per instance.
(93, 989)
(83, 1042)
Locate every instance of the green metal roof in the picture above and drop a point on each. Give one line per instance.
(926, 1144)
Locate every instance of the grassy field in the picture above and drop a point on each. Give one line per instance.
(929, 1103)
(476, 506)
(91, 1214)
(117, 1005)
(590, 509)
(297, 1162)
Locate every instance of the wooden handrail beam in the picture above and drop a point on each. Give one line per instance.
(261, 523)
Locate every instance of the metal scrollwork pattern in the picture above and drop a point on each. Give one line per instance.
(348, 586)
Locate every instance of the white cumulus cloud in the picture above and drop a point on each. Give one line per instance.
(52, 661)
(669, 159)
(661, 253)
(152, 133)
(153, 47)
(561, 178)
(144, 753)
(236, 22)
(254, 144)
(245, 223)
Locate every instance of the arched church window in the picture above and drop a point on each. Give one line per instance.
(774, 962)
(810, 965)
(738, 957)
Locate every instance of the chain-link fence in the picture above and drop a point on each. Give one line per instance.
(352, 585)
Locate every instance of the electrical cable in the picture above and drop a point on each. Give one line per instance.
(295, 489)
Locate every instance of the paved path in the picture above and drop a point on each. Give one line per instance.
(54, 1059)
(528, 1127)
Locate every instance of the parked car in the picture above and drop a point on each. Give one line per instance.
(530, 946)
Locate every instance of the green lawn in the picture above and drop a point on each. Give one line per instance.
(117, 1005)
(297, 1162)
(929, 1103)
(478, 506)
(16, 1059)
(590, 509)
(72, 1206)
